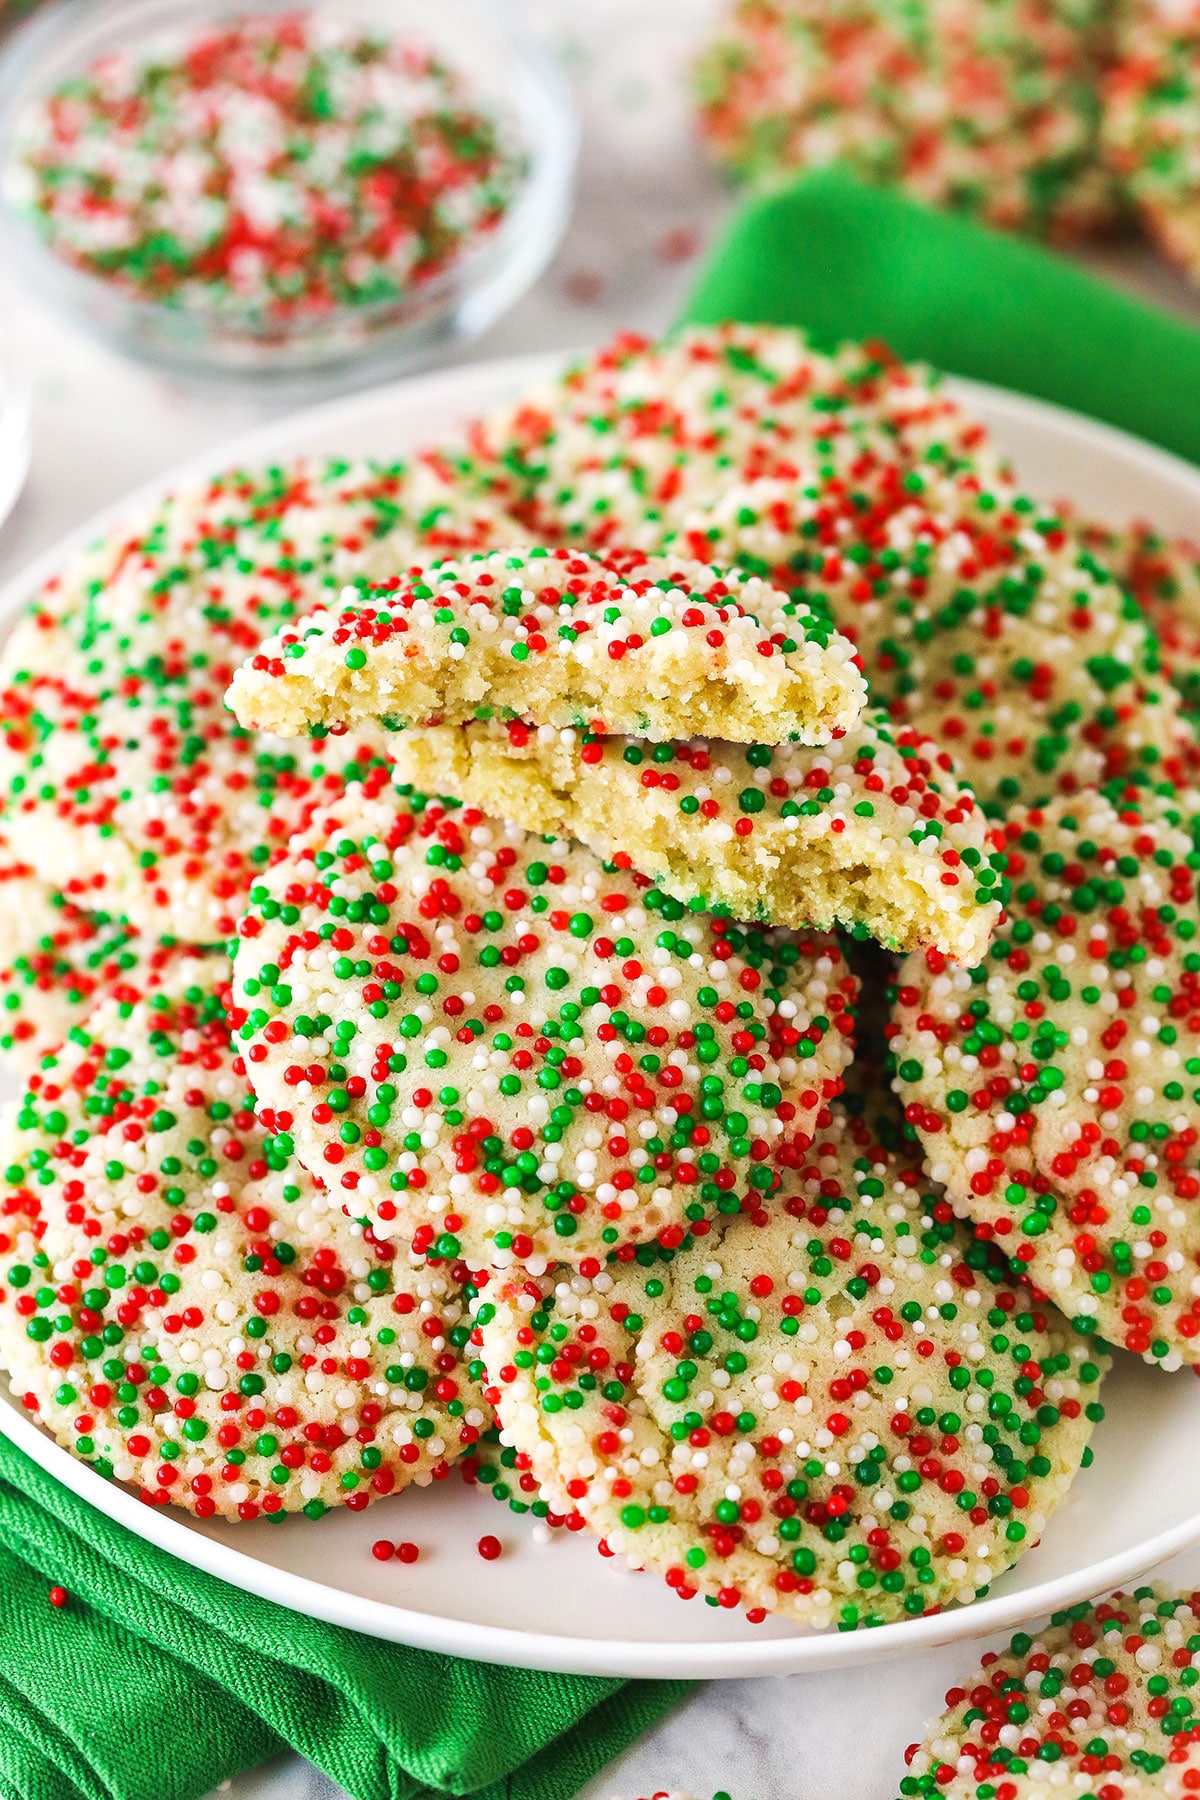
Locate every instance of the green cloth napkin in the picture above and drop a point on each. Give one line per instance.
(850, 261)
(156, 1682)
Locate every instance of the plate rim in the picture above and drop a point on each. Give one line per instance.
(509, 1645)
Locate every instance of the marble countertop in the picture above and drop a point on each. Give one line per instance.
(836, 1736)
(648, 207)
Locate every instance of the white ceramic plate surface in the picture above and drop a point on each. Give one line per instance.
(558, 1605)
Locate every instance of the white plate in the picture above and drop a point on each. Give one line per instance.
(558, 1605)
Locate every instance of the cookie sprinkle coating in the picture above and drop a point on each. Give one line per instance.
(734, 444)
(1101, 1700)
(490, 1043)
(995, 630)
(1151, 112)
(268, 172)
(648, 646)
(1054, 1086)
(125, 776)
(854, 482)
(874, 833)
(990, 109)
(57, 962)
(828, 1410)
(180, 1303)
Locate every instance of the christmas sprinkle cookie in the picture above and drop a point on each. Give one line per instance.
(494, 1045)
(1054, 1087)
(183, 1306)
(990, 109)
(874, 833)
(855, 483)
(1163, 573)
(267, 172)
(497, 1469)
(828, 1410)
(123, 771)
(1100, 1701)
(57, 962)
(996, 631)
(237, 553)
(648, 646)
(1151, 112)
(735, 444)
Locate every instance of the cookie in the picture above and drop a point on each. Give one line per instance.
(1098, 1701)
(1054, 1086)
(120, 766)
(985, 106)
(733, 444)
(183, 1306)
(857, 483)
(494, 1045)
(873, 833)
(648, 646)
(1151, 98)
(57, 962)
(1163, 574)
(999, 633)
(828, 1410)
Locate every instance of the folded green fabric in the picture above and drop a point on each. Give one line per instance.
(156, 1682)
(849, 261)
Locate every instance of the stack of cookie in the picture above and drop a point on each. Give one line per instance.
(182, 1302)
(589, 781)
(1064, 118)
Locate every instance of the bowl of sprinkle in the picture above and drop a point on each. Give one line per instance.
(341, 188)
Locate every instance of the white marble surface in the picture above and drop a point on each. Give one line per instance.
(648, 205)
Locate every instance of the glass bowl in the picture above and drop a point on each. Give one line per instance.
(507, 74)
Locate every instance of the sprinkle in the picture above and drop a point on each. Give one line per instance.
(838, 1410)
(491, 1041)
(652, 646)
(989, 109)
(266, 173)
(1101, 1700)
(1149, 127)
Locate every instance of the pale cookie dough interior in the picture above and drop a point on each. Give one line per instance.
(656, 647)
(873, 833)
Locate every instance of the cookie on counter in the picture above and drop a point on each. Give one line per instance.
(1152, 125)
(988, 107)
(828, 1410)
(497, 1046)
(1099, 1700)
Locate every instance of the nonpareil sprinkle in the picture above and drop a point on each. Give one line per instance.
(275, 169)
